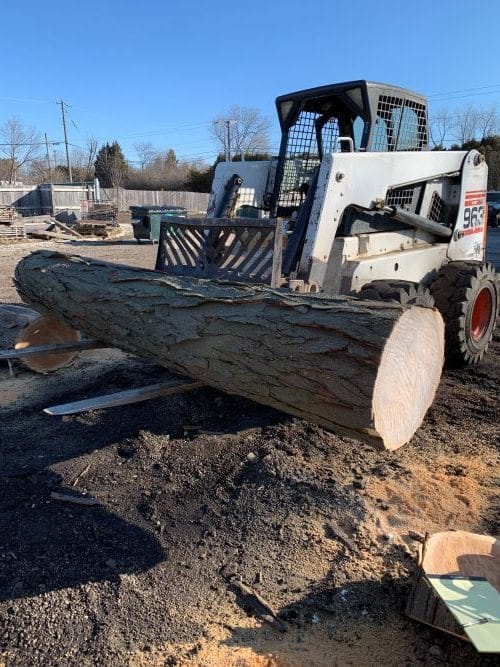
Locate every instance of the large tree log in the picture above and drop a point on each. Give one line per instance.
(366, 369)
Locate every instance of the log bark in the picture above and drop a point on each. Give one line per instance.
(368, 370)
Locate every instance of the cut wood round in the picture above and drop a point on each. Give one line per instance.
(365, 369)
(457, 552)
(451, 554)
(44, 330)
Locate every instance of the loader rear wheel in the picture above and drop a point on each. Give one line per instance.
(467, 297)
(400, 291)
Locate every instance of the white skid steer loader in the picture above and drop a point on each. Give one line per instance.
(355, 204)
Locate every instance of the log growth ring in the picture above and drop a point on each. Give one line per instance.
(408, 376)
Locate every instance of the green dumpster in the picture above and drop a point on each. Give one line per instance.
(146, 220)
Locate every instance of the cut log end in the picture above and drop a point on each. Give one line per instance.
(43, 331)
(408, 376)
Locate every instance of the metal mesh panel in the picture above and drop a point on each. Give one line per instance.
(400, 125)
(437, 209)
(329, 135)
(412, 127)
(402, 198)
(302, 156)
(238, 250)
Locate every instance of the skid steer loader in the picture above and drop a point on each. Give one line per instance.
(354, 204)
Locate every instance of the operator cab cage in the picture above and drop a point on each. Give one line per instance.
(357, 115)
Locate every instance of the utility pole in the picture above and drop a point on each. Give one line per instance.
(48, 157)
(227, 143)
(68, 162)
(228, 125)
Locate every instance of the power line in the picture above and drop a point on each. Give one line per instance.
(464, 90)
(32, 143)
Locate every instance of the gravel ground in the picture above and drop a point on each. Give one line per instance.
(196, 491)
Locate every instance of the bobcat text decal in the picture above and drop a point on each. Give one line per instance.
(474, 212)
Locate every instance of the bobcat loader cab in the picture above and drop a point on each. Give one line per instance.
(356, 204)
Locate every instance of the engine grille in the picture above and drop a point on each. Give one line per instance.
(437, 209)
(406, 197)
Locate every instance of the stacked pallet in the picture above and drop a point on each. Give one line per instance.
(106, 211)
(12, 231)
(7, 214)
(91, 228)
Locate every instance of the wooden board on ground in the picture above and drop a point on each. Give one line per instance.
(458, 588)
(46, 235)
(65, 228)
(126, 397)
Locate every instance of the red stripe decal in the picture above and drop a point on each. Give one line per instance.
(476, 230)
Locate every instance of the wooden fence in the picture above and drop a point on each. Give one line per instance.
(48, 199)
(195, 202)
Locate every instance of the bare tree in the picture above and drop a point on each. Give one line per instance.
(19, 144)
(441, 127)
(82, 160)
(91, 148)
(38, 171)
(240, 130)
(146, 153)
(487, 122)
(466, 126)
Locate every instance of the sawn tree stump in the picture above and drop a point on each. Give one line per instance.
(365, 369)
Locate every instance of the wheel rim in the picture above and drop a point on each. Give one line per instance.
(481, 314)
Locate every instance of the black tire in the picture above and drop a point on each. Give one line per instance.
(467, 297)
(399, 291)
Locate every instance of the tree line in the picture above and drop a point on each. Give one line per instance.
(467, 129)
(28, 157)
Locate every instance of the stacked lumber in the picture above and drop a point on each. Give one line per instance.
(7, 214)
(105, 211)
(12, 231)
(365, 369)
(91, 228)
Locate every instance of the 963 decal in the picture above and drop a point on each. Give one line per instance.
(474, 212)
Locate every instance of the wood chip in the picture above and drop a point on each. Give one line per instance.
(80, 475)
(334, 531)
(76, 500)
(261, 607)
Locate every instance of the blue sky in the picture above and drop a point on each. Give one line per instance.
(159, 71)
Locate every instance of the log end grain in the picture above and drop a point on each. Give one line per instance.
(45, 330)
(409, 375)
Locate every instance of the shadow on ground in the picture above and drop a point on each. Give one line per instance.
(49, 545)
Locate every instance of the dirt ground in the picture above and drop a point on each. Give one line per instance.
(199, 490)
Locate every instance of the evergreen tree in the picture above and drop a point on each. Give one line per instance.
(110, 165)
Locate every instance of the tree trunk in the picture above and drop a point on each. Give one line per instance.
(368, 370)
